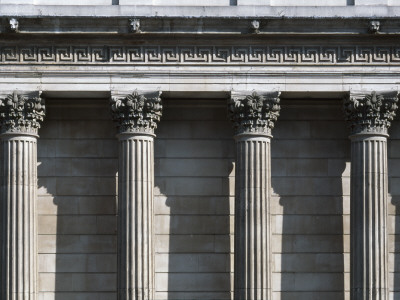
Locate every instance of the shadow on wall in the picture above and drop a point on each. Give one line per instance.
(394, 259)
(77, 166)
(193, 165)
(310, 181)
(394, 207)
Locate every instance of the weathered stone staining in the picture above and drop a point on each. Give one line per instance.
(137, 113)
(21, 113)
(13, 25)
(135, 25)
(254, 113)
(253, 117)
(136, 116)
(374, 26)
(369, 117)
(370, 113)
(20, 118)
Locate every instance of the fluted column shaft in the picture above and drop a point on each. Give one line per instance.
(19, 229)
(253, 117)
(369, 117)
(136, 116)
(252, 218)
(135, 212)
(20, 117)
(369, 190)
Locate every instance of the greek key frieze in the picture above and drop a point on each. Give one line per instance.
(188, 55)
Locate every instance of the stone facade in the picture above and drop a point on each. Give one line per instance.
(254, 152)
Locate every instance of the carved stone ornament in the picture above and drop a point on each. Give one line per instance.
(13, 24)
(255, 113)
(196, 55)
(21, 113)
(135, 25)
(370, 113)
(374, 26)
(255, 26)
(136, 113)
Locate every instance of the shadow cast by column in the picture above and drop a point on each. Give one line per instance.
(310, 185)
(77, 168)
(193, 165)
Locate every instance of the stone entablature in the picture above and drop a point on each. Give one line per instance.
(277, 54)
(21, 113)
(136, 113)
(370, 113)
(254, 113)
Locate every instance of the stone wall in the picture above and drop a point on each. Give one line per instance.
(77, 168)
(310, 207)
(208, 2)
(194, 154)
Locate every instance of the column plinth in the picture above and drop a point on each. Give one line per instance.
(20, 117)
(369, 117)
(136, 116)
(253, 117)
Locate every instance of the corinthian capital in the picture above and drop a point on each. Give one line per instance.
(370, 113)
(21, 113)
(254, 113)
(136, 113)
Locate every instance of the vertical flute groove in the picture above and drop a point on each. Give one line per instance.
(252, 222)
(253, 116)
(18, 188)
(369, 116)
(135, 226)
(369, 252)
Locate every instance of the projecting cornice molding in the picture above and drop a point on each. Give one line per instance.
(370, 113)
(200, 55)
(136, 112)
(21, 113)
(254, 113)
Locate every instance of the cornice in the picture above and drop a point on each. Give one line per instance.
(213, 20)
(232, 11)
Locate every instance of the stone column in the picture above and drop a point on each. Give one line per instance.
(20, 118)
(253, 117)
(369, 117)
(136, 116)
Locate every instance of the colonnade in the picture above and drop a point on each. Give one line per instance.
(253, 116)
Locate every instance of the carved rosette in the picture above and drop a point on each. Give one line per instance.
(370, 113)
(21, 113)
(255, 113)
(136, 113)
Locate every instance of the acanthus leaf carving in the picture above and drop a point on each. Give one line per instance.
(136, 113)
(21, 113)
(254, 113)
(370, 113)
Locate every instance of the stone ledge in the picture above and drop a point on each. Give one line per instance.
(251, 11)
